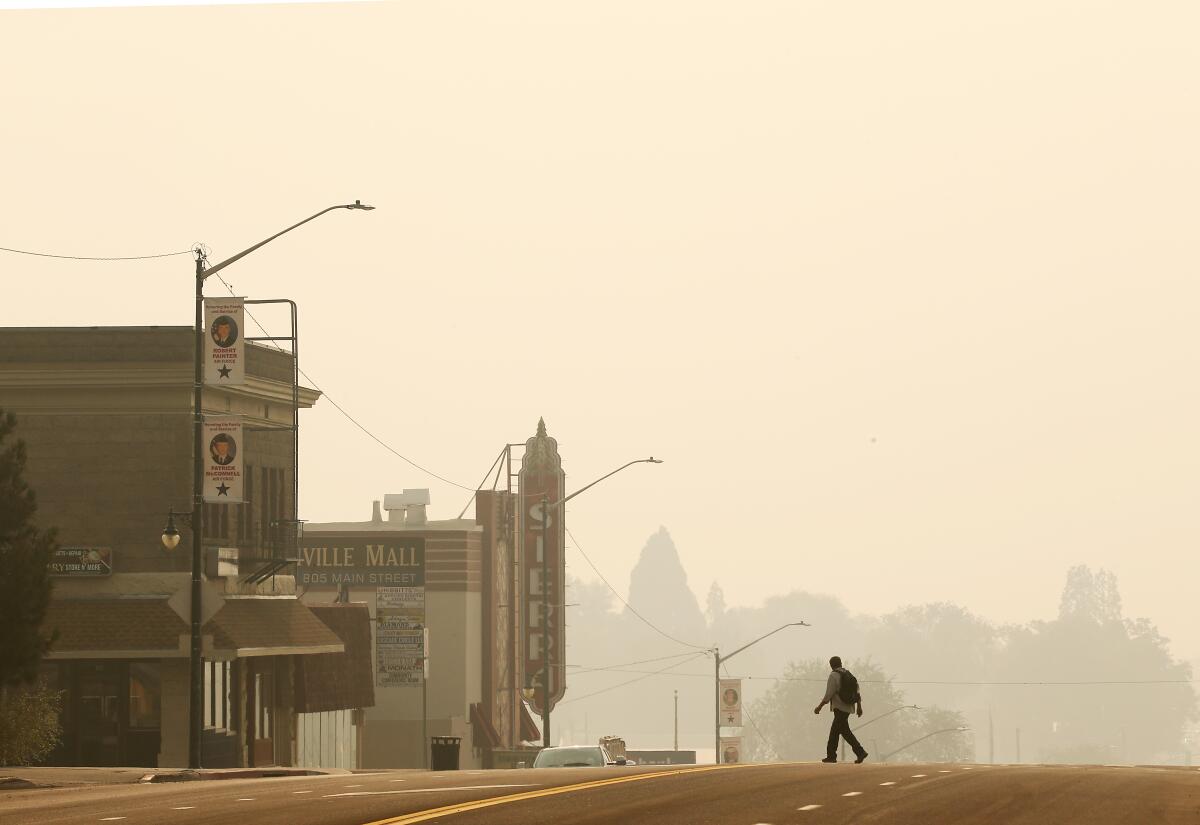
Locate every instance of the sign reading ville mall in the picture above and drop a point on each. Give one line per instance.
(361, 561)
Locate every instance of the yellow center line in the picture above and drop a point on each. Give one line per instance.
(464, 807)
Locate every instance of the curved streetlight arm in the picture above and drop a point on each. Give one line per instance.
(889, 713)
(565, 499)
(213, 270)
(922, 739)
(729, 656)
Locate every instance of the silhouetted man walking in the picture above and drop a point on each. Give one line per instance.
(843, 698)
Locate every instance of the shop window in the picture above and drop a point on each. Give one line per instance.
(217, 701)
(145, 695)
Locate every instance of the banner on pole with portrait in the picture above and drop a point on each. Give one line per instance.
(224, 343)
(731, 750)
(222, 457)
(731, 703)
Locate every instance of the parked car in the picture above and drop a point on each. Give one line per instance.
(576, 756)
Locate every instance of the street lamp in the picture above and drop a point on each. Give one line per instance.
(546, 508)
(959, 729)
(170, 535)
(876, 719)
(719, 660)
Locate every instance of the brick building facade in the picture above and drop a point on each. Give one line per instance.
(106, 415)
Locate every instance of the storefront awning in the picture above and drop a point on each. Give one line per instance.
(134, 627)
(529, 728)
(338, 681)
(483, 732)
(269, 627)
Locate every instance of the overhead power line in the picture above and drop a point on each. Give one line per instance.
(821, 681)
(664, 670)
(618, 668)
(94, 257)
(348, 416)
(630, 607)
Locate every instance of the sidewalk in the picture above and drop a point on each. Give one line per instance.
(16, 778)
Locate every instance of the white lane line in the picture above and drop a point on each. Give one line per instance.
(853, 793)
(184, 808)
(110, 818)
(397, 780)
(301, 791)
(359, 785)
(943, 771)
(881, 784)
(426, 790)
(245, 799)
(919, 775)
(808, 808)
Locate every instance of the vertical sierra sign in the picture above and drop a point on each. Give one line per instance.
(541, 478)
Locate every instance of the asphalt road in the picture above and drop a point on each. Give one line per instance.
(729, 795)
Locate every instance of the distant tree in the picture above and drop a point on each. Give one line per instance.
(25, 553)
(1115, 693)
(1090, 597)
(714, 609)
(936, 642)
(658, 588)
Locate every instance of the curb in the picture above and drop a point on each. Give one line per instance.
(202, 775)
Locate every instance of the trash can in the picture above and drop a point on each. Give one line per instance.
(444, 752)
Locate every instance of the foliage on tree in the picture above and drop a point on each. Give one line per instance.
(29, 723)
(714, 610)
(25, 553)
(782, 725)
(1119, 697)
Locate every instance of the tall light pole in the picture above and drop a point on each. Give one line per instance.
(876, 719)
(170, 535)
(959, 729)
(546, 508)
(719, 660)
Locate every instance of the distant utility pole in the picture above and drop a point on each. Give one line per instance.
(676, 720)
(1018, 746)
(991, 739)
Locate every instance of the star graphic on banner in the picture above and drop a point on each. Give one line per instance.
(224, 371)
(223, 490)
(729, 718)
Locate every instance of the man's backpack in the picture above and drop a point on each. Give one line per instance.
(847, 687)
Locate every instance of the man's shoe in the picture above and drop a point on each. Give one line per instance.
(861, 758)
(829, 760)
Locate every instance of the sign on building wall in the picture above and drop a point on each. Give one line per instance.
(731, 749)
(542, 480)
(400, 636)
(731, 703)
(356, 560)
(222, 445)
(224, 345)
(81, 561)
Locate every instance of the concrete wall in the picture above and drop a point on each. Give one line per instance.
(392, 734)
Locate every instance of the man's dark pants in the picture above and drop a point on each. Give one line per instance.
(841, 727)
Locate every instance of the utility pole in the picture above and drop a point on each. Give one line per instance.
(545, 625)
(1018, 746)
(676, 720)
(195, 662)
(991, 739)
(718, 660)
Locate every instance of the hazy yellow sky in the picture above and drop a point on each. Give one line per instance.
(903, 292)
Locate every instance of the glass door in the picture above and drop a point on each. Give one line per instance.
(100, 711)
